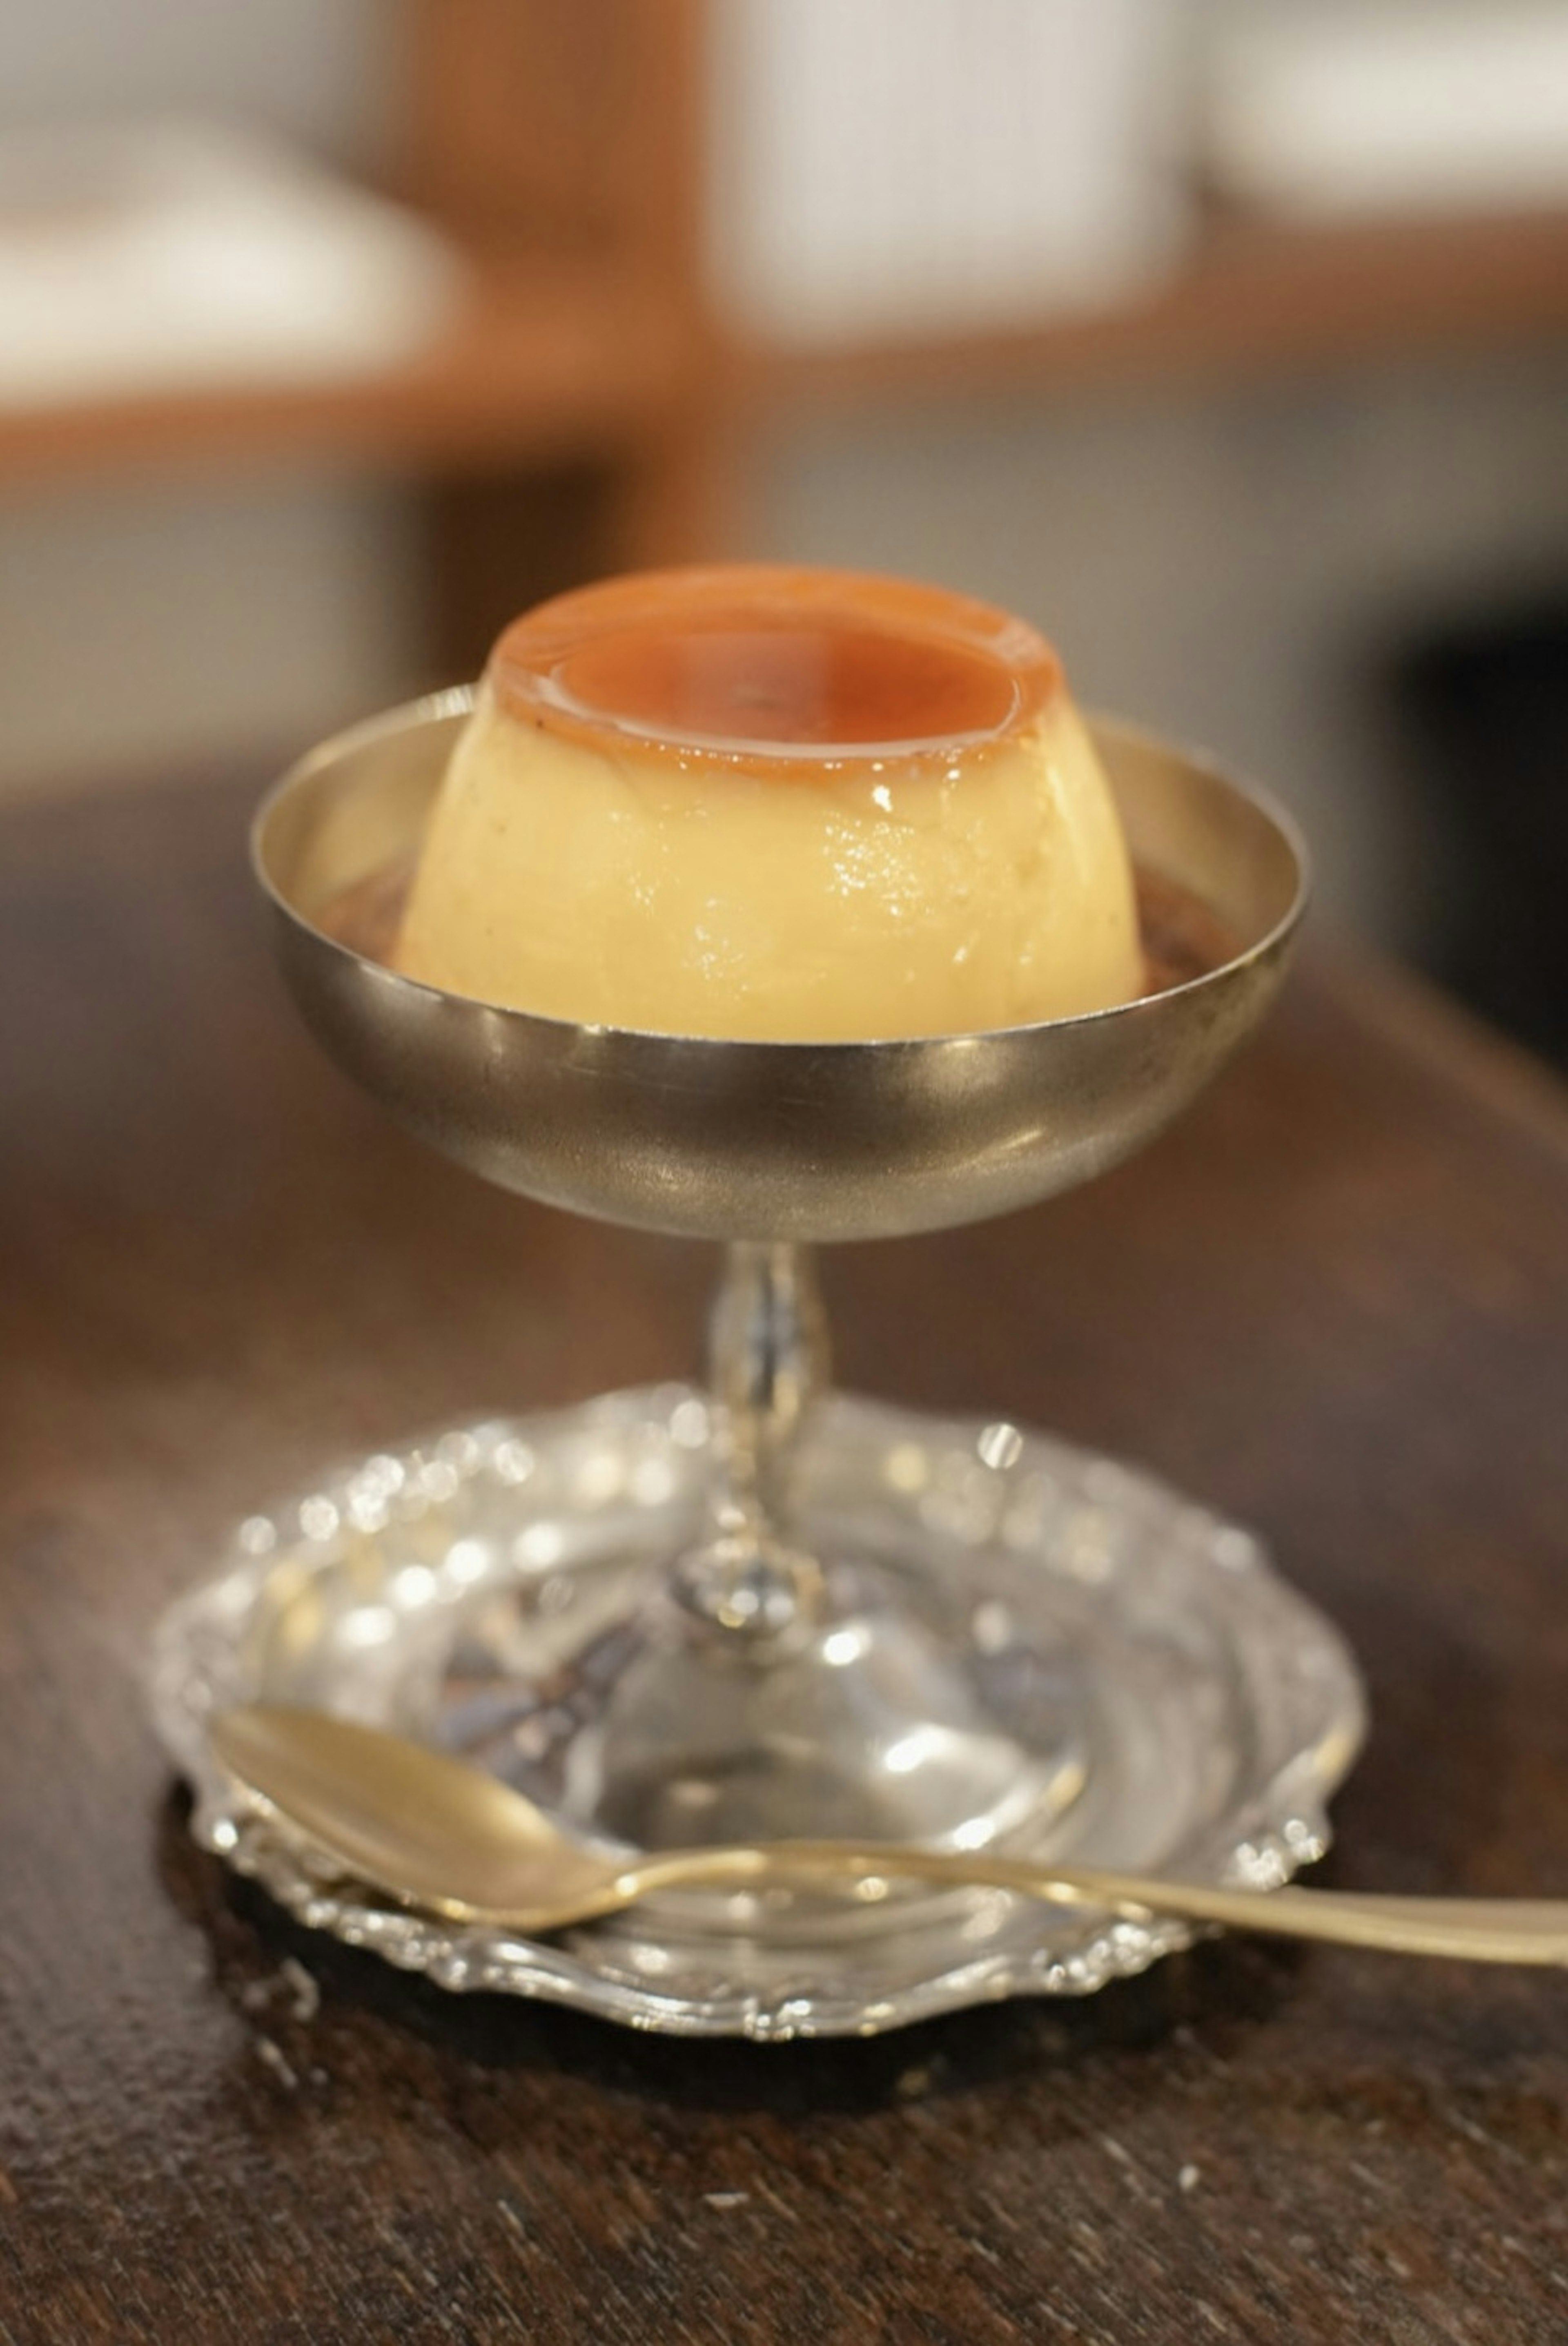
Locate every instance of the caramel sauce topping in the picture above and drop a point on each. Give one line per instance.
(804, 670)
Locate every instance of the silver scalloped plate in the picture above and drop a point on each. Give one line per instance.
(1216, 1708)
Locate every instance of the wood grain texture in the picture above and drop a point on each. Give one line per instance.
(1335, 1301)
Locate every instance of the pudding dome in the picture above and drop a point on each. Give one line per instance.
(777, 803)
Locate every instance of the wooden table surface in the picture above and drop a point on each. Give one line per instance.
(1334, 1303)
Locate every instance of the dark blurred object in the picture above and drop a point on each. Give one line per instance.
(1484, 705)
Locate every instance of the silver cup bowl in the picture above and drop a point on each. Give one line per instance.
(792, 1142)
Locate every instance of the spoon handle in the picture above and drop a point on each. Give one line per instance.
(1478, 1930)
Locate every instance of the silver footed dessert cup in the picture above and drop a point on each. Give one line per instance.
(765, 1680)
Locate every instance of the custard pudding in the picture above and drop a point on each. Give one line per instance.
(777, 803)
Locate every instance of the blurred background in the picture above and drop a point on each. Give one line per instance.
(1226, 339)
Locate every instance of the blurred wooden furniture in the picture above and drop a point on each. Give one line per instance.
(587, 411)
(1334, 1301)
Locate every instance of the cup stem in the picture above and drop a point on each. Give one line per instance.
(768, 1362)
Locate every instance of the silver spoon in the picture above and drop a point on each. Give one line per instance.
(450, 1838)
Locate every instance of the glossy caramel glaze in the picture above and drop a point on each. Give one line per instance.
(798, 668)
